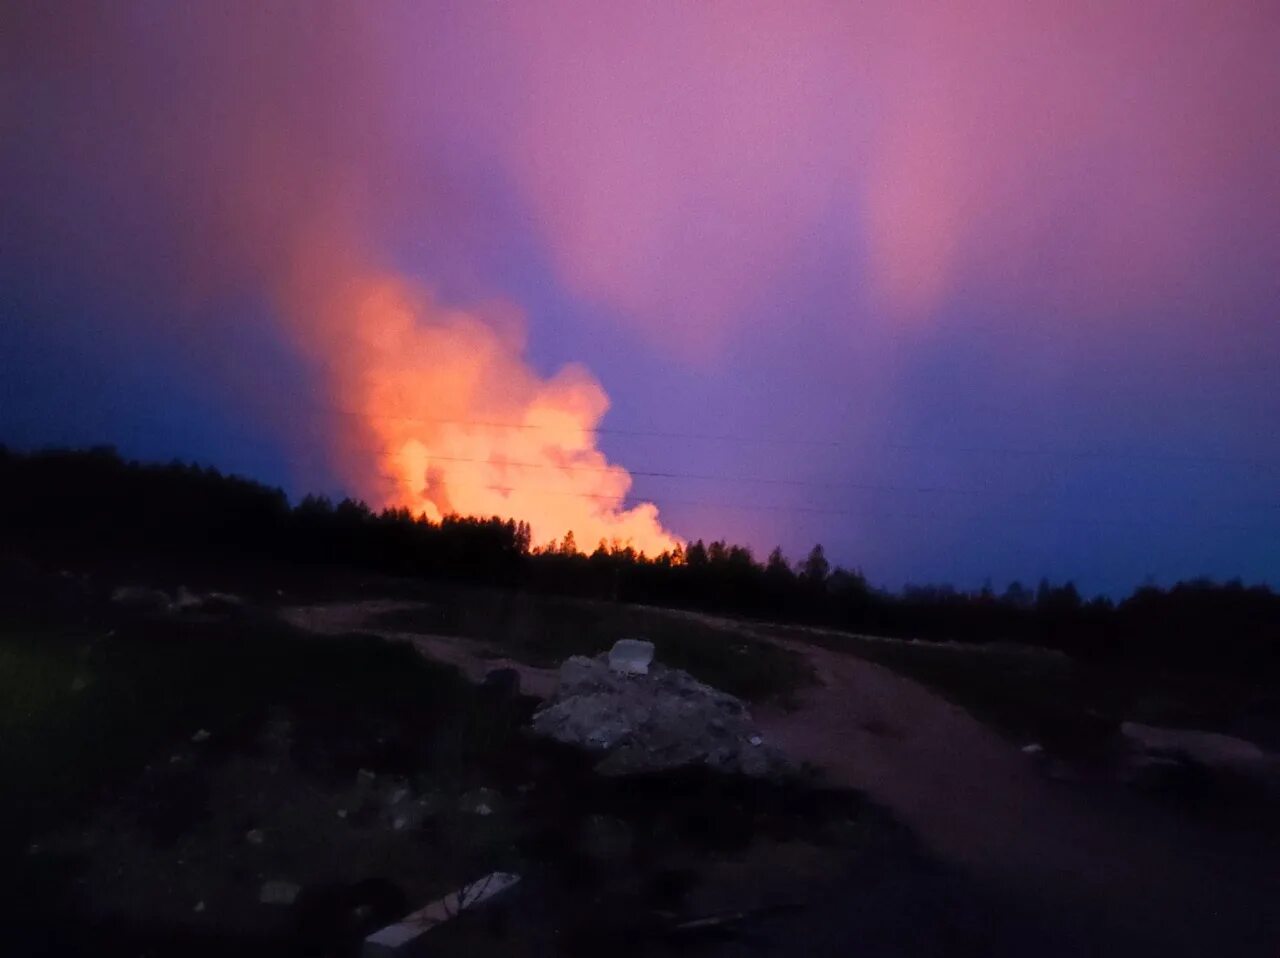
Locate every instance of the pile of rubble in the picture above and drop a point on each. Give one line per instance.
(643, 717)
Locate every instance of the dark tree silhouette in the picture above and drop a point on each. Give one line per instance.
(96, 506)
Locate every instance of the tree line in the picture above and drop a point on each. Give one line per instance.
(96, 502)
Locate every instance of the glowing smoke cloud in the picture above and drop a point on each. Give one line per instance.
(446, 417)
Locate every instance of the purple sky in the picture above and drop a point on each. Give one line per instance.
(961, 291)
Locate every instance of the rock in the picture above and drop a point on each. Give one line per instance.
(201, 736)
(1212, 750)
(342, 813)
(199, 907)
(255, 836)
(1188, 761)
(1035, 748)
(631, 656)
(278, 892)
(397, 796)
(141, 599)
(661, 720)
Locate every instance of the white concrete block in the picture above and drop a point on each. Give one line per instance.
(631, 656)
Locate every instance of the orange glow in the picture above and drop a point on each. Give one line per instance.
(447, 418)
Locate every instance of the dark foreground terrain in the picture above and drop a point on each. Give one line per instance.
(165, 767)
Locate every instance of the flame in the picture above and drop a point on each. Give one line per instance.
(446, 417)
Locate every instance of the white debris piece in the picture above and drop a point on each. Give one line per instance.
(393, 938)
(631, 656)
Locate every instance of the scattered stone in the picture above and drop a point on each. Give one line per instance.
(277, 892)
(255, 836)
(481, 801)
(393, 939)
(657, 721)
(399, 823)
(201, 736)
(398, 796)
(631, 657)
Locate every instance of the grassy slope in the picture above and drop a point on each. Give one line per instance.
(545, 630)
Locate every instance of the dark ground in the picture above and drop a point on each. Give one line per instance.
(115, 825)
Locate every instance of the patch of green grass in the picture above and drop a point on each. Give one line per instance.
(545, 631)
(1073, 707)
(81, 714)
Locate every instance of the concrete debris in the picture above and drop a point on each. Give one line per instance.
(661, 720)
(631, 656)
(393, 939)
(1168, 758)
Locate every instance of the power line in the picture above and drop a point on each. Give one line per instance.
(502, 463)
(1023, 451)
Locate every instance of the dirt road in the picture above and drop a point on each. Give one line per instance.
(976, 800)
(1161, 880)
